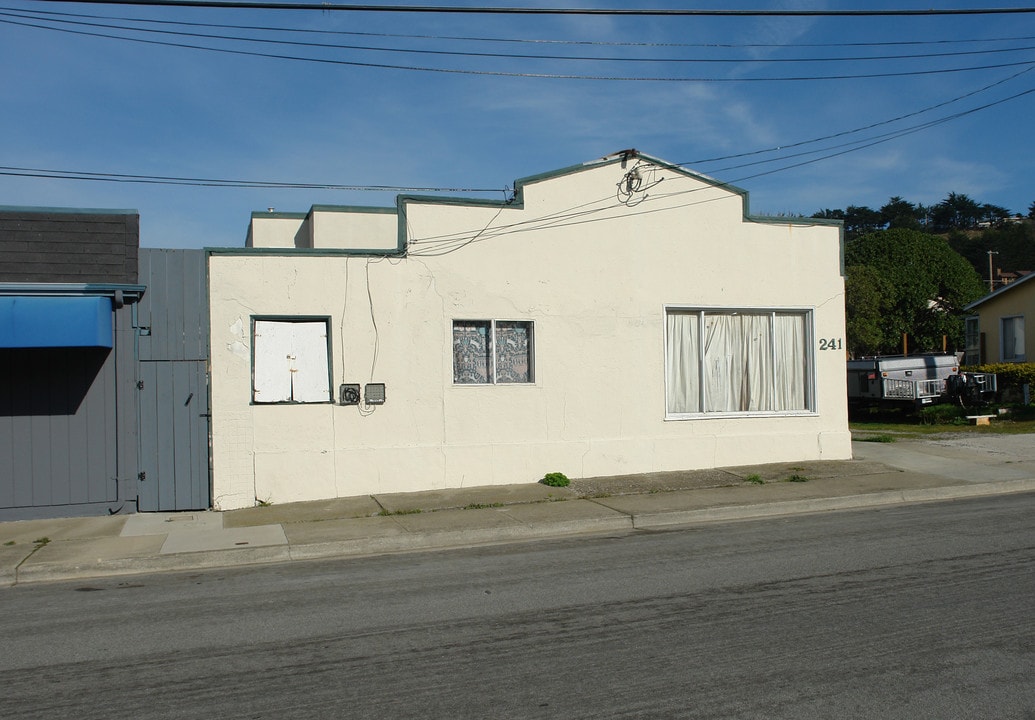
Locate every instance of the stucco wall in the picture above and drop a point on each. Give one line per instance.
(357, 229)
(278, 230)
(592, 273)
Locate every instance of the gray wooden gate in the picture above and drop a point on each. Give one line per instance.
(173, 381)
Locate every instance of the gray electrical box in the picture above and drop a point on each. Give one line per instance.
(348, 394)
(374, 394)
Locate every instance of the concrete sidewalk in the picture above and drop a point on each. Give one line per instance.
(881, 474)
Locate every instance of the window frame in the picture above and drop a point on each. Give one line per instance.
(1022, 356)
(494, 358)
(293, 319)
(809, 368)
(972, 340)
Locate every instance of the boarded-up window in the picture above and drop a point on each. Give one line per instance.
(290, 361)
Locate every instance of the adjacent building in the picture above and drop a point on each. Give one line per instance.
(68, 286)
(998, 330)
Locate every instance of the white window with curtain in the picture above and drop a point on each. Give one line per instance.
(1012, 339)
(291, 360)
(737, 361)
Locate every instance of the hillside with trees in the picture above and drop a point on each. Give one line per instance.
(911, 269)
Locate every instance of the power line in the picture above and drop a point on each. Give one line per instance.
(843, 133)
(543, 76)
(633, 12)
(44, 173)
(518, 56)
(531, 41)
(584, 214)
(213, 182)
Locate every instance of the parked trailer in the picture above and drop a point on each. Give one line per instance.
(916, 379)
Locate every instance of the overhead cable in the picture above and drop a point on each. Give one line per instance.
(480, 10)
(518, 56)
(543, 76)
(213, 182)
(530, 41)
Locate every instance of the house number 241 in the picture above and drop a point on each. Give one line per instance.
(830, 344)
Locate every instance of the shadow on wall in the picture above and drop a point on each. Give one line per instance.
(48, 381)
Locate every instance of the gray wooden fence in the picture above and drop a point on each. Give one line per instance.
(173, 381)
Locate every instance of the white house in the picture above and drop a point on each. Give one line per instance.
(619, 316)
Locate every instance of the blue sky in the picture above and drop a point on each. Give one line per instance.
(85, 104)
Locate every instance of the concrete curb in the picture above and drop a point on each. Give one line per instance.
(33, 572)
(203, 560)
(439, 540)
(846, 502)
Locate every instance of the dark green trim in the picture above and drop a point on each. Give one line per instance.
(368, 209)
(65, 210)
(278, 215)
(330, 355)
(312, 252)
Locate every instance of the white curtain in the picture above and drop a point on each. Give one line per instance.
(1013, 338)
(682, 364)
(738, 362)
(789, 344)
(752, 362)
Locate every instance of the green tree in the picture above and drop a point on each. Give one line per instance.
(827, 214)
(899, 213)
(868, 300)
(994, 214)
(956, 212)
(1012, 244)
(860, 220)
(922, 288)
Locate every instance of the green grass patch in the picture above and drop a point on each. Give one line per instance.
(882, 438)
(755, 478)
(482, 506)
(797, 479)
(387, 513)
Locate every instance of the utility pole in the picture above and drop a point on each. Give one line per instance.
(990, 254)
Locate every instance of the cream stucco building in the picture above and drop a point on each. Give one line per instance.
(620, 316)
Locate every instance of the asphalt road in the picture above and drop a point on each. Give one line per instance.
(923, 611)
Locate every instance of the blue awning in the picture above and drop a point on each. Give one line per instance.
(42, 322)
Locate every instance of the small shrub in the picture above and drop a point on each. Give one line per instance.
(878, 439)
(555, 479)
(1008, 374)
(942, 415)
(755, 478)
